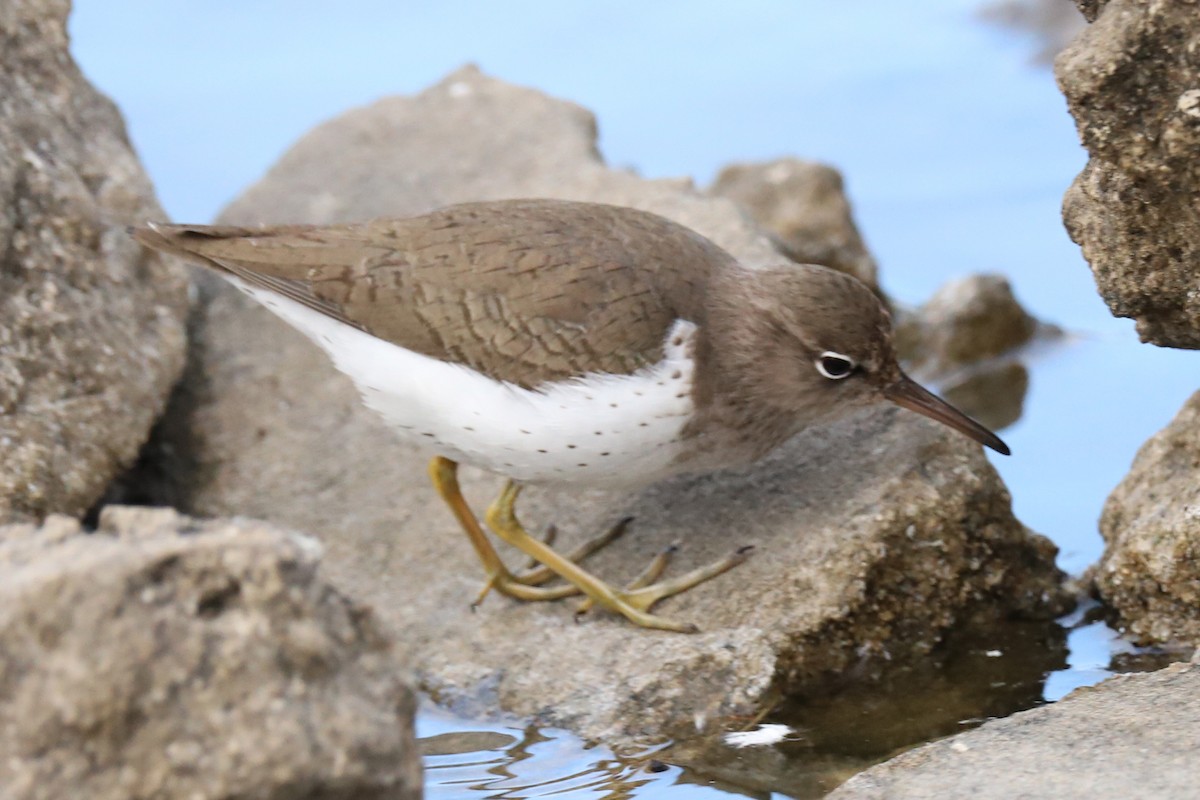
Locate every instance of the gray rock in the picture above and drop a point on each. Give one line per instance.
(968, 339)
(163, 657)
(91, 327)
(873, 538)
(1053, 23)
(1132, 82)
(1090, 8)
(804, 205)
(1131, 736)
(968, 320)
(1150, 571)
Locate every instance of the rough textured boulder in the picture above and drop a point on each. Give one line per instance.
(91, 327)
(1150, 572)
(1131, 736)
(1132, 82)
(873, 538)
(804, 205)
(162, 657)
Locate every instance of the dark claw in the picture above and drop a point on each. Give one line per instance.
(579, 615)
(672, 548)
(744, 550)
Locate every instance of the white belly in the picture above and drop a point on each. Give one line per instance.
(598, 430)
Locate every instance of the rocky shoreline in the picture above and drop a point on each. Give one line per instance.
(263, 634)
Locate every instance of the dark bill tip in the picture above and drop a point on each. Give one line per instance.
(909, 394)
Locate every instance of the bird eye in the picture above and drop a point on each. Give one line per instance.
(834, 366)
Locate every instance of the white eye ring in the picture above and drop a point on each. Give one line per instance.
(834, 366)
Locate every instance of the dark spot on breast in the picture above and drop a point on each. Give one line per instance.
(606, 454)
(643, 424)
(570, 447)
(681, 395)
(540, 450)
(467, 428)
(581, 465)
(599, 433)
(523, 430)
(676, 375)
(678, 340)
(612, 405)
(430, 435)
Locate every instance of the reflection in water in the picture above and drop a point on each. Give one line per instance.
(852, 722)
(521, 762)
(994, 395)
(811, 744)
(845, 726)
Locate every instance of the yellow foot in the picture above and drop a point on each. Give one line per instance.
(537, 574)
(643, 593)
(633, 604)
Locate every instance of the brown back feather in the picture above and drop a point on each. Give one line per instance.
(526, 291)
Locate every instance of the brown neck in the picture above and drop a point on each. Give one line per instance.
(738, 406)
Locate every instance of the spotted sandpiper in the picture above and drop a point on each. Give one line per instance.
(570, 343)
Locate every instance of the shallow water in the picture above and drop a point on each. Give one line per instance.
(956, 150)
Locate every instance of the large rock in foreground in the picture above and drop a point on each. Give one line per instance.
(1150, 571)
(873, 538)
(166, 658)
(1132, 81)
(1131, 736)
(91, 327)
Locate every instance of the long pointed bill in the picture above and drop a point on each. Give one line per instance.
(909, 394)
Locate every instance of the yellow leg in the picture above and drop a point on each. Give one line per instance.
(538, 574)
(633, 605)
(444, 473)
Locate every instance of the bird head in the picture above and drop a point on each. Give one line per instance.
(821, 342)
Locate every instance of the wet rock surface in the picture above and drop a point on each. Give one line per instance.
(873, 538)
(803, 204)
(1132, 82)
(91, 327)
(166, 657)
(1131, 736)
(1150, 571)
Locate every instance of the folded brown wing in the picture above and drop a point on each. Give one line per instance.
(524, 291)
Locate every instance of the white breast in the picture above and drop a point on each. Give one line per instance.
(598, 430)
